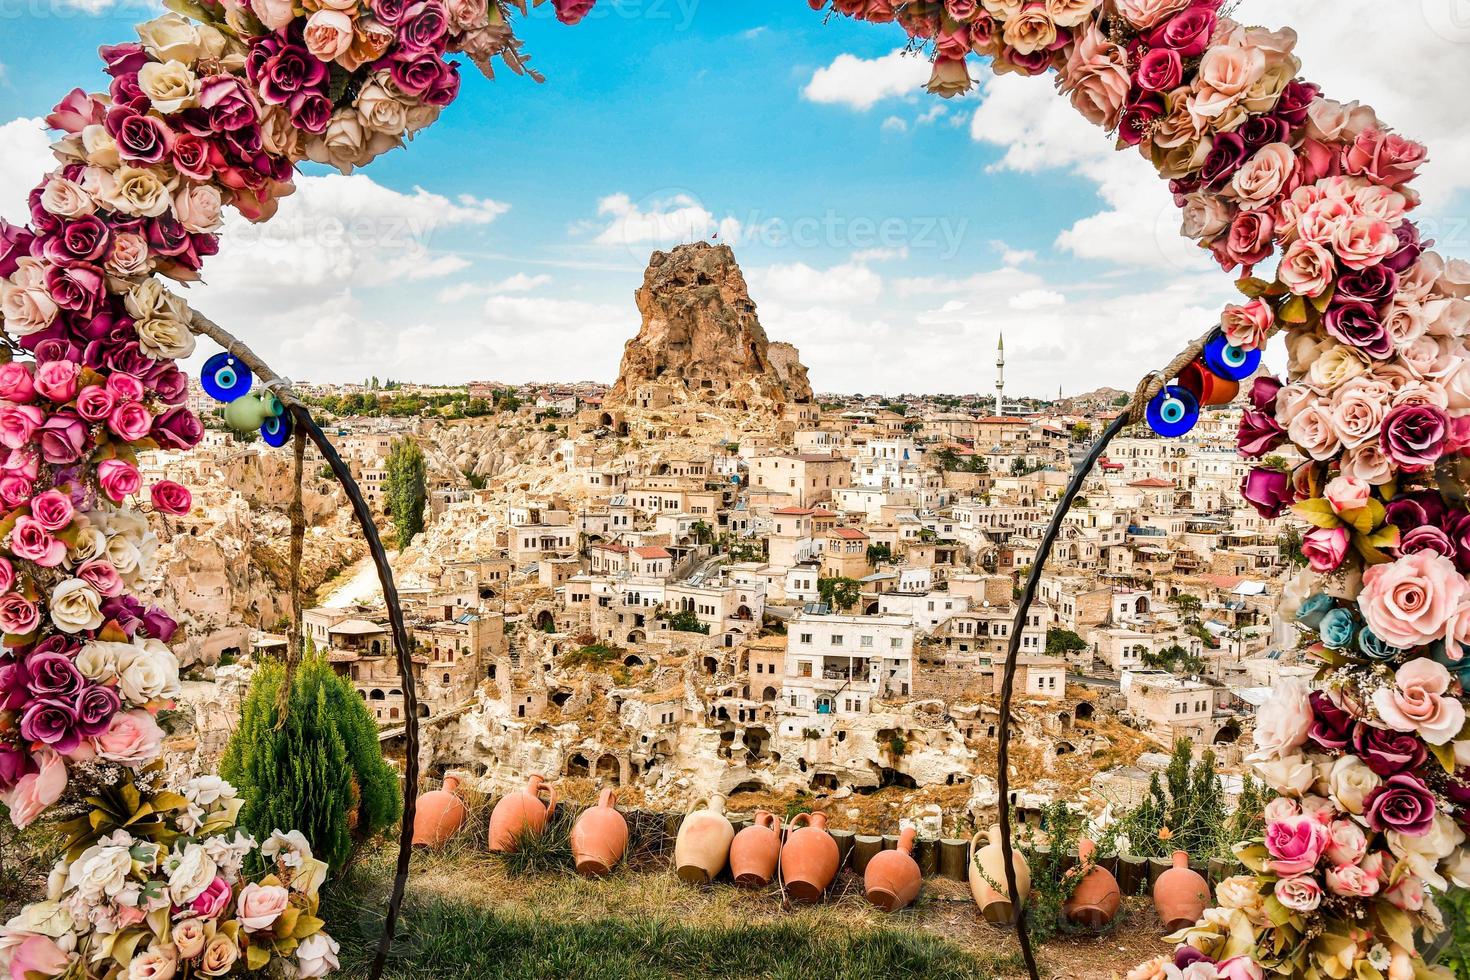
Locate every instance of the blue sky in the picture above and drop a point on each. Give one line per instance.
(889, 234)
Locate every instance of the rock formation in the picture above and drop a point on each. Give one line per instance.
(702, 341)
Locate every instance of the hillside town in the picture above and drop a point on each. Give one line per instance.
(707, 578)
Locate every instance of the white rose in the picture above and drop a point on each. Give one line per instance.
(170, 86)
(136, 191)
(1350, 783)
(1291, 776)
(98, 660)
(145, 676)
(66, 199)
(198, 209)
(91, 543)
(383, 109)
(191, 874)
(76, 606)
(101, 871)
(347, 143)
(209, 790)
(165, 339)
(317, 956)
(170, 38)
(1457, 868)
(1241, 892)
(100, 147)
(124, 555)
(1423, 854)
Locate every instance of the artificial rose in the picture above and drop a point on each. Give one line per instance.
(159, 962)
(1248, 326)
(219, 956)
(1300, 893)
(1346, 494)
(133, 738)
(1264, 176)
(1351, 782)
(32, 541)
(76, 607)
(1332, 726)
(1284, 721)
(36, 791)
(1404, 804)
(260, 906)
(328, 34)
(1407, 894)
(1418, 702)
(1296, 844)
(213, 900)
(1306, 269)
(170, 86)
(1268, 491)
(317, 956)
(1144, 14)
(1408, 602)
(1325, 548)
(118, 479)
(1387, 752)
(1351, 880)
(192, 873)
(1346, 843)
(189, 936)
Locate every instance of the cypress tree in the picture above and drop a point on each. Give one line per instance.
(321, 772)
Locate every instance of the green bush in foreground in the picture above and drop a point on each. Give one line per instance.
(321, 773)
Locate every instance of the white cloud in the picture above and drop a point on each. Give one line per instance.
(861, 83)
(895, 124)
(666, 221)
(881, 254)
(799, 284)
(27, 158)
(1036, 299)
(518, 283)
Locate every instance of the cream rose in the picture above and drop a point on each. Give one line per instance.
(189, 938)
(198, 209)
(165, 339)
(1030, 31)
(170, 86)
(76, 606)
(317, 956)
(100, 148)
(1070, 13)
(1226, 74)
(137, 191)
(66, 199)
(219, 956)
(130, 257)
(27, 307)
(260, 906)
(1242, 892)
(1291, 776)
(382, 107)
(158, 963)
(1283, 722)
(347, 143)
(191, 873)
(1330, 121)
(1335, 367)
(1264, 176)
(100, 872)
(146, 675)
(1205, 216)
(170, 38)
(328, 35)
(1351, 782)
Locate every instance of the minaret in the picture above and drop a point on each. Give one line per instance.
(1000, 377)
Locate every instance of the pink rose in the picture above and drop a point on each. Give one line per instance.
(35, 792)
(1363, 241)
(171, 498)
(274, 14)
(133, 738)
(328, 34)
(1300, 894)
(130, 421)
(1417, 702)
(15, 489)
(1345, 494)
(1144, 14)
(1306, 269)
(261, 905)
(31, 541)
(1284, 721)
(52, 510)
(126, 387)
(95, 403)
(7, 575)
(1346, 842)
(1283, 807)
(1296, 844)
(118, 479)
(1249, 241)
(213, 900)
(1352, 881)
(18, 424)
(63, 437)
(57, 380)
(1407, 893)
(15, 382)
(1407, 602)
(1096, 78)
(38, 955)
(1325, 548)
(1248, 326)
(1239, 968)
(1264, 176)
(18, 615)
(102, 576)
(1384, 158)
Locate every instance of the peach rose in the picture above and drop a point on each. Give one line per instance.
(1306, 269)
(158, 963)
(274, 14)
(1096, 78)
(189, 937)
(1031, 31)
(35, 792)
(1205, 216)
(198, 209)
(1364, 241)
(1330, 121)
(1248, 326)
(260, 906)
(1284, 721)
(1345, 494)
(1226, 74)
(1417, 702)
(1357, 412)
(129, 257)
(328, 34)
(1313, 433)
(132, 739)
(1407, 603)
(219, 956)
(1146, 13)
(1264, 176)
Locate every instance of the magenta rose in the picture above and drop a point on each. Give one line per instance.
(83, 239)
(1188, 33)
(1426, 538)
(1332, 727)
(75, 112)
(178, 428)
(212, 901)
(1161, 70)
(1268, 491)
(1386, 752)
(571, 12)
(95, 403)
(53, 675)
(1259, 434)
(64, 437)
(1413, 436)
(7, 575)
(1138, 115)
(1403, 803)
(1357, 324)
(30, 541)
(171, 498)
(140, 138)
(130, 421)
(1296, 844)
(1263, 394)
(1249, 241)
(80, 288)
(1325, 548)
(125, 387)
(1375, 286)
(53, 723)
(95, 707)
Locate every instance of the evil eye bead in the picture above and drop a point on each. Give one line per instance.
(1173, 412)
(225, 378)
(276, 431)
(1230, 363)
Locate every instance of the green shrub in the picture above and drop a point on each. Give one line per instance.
(321, 772)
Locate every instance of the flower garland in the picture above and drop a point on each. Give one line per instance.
(210, 108)
(1373, 767)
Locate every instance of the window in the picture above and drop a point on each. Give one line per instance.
(837, 639)
(804, 668)
(806, 638)
(867, 642)
(896, 643)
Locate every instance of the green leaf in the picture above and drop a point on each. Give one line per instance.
(1396, 924)
(189, 9)
(1252, 287)
(1317, 512)
(1293, 310)
(1361, 519)
(1446, 756)
(1279, 914)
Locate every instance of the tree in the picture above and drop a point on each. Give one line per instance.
(879, 552)
(840, 593)
(703, 533)
(685, 621)
(1188, 605)
(406, 489)
(1060, 642)
(321, 772)
(1081, 432)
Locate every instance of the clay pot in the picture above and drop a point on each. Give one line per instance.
(892, 879)
(438, 815)
(1208, 389)
(703, 844)
(809, 858)
(599, 837)
(988, 864)
(1180, 894)
(755, 851)
(1095, 901)
(519, 813)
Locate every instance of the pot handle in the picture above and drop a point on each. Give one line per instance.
(696, 806)
(978, 834)
(805, 817)
(550, 797)
(768, 820)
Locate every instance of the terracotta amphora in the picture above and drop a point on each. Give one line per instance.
(987, 865)
(892, 879)
(438, 815)
(520, 813)
(703, 844)
(600, 837)
(755, 851)
(1097, 896)
(809, 858)
(1181, 894)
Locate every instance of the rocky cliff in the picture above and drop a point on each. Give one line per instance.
(701, 339)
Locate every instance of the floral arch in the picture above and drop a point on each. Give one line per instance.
(214, 104)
